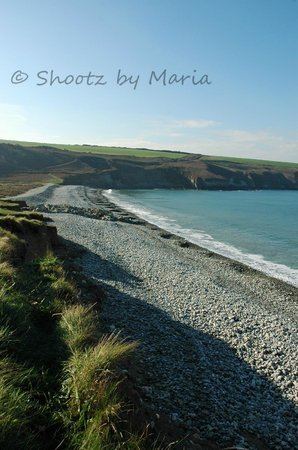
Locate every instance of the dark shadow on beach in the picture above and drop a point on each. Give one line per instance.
(194, 376)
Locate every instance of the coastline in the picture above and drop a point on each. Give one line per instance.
(203, 240)
(216, 337)
(107, 204)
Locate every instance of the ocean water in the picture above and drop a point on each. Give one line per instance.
(258, 228)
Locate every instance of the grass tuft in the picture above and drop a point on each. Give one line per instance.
(7, 271)
(12, 248)
(78, 327)
(17, 408)
(91, 394)
(86, 370)
(64, 289)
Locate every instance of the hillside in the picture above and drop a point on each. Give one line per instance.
(104, 150)
(147, 153)
(35, 165)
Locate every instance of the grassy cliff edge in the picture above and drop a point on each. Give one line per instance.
(58, 380)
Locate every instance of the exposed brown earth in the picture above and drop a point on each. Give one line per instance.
(36, 165)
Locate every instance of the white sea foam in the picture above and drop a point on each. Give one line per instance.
(203, 239)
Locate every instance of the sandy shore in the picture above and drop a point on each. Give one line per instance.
(217, 338)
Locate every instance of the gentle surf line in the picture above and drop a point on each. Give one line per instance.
(203, 239)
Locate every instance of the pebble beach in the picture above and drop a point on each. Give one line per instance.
(218, 340)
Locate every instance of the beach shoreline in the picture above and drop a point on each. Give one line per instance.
(202, 239)
(217, 338)
(102, 200)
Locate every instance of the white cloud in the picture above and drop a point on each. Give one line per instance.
(242, 143)
(207, 137)
(260, 144)
(195, 123)
(248, 136)
(203, 136)
(170, 126)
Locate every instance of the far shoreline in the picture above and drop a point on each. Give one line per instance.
(245, 266)
(238, 265)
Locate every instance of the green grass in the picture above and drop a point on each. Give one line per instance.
(9, 204)
(12, 248)
(226, 160)
(17, 406)
(15, 222)
(58, 378)
(104, 150)
(31, 353)
(25, 214)
(149, 153)
(14, 218)
(90, 389)
(78, 327)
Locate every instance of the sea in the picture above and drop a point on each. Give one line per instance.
(257, 228)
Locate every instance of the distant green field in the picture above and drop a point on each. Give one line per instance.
(149, 153)
(248, 161)
(102, 150)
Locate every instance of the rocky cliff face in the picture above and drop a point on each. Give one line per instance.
(106, 171)
(186, 174)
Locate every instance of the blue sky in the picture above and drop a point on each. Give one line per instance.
(247, 48)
